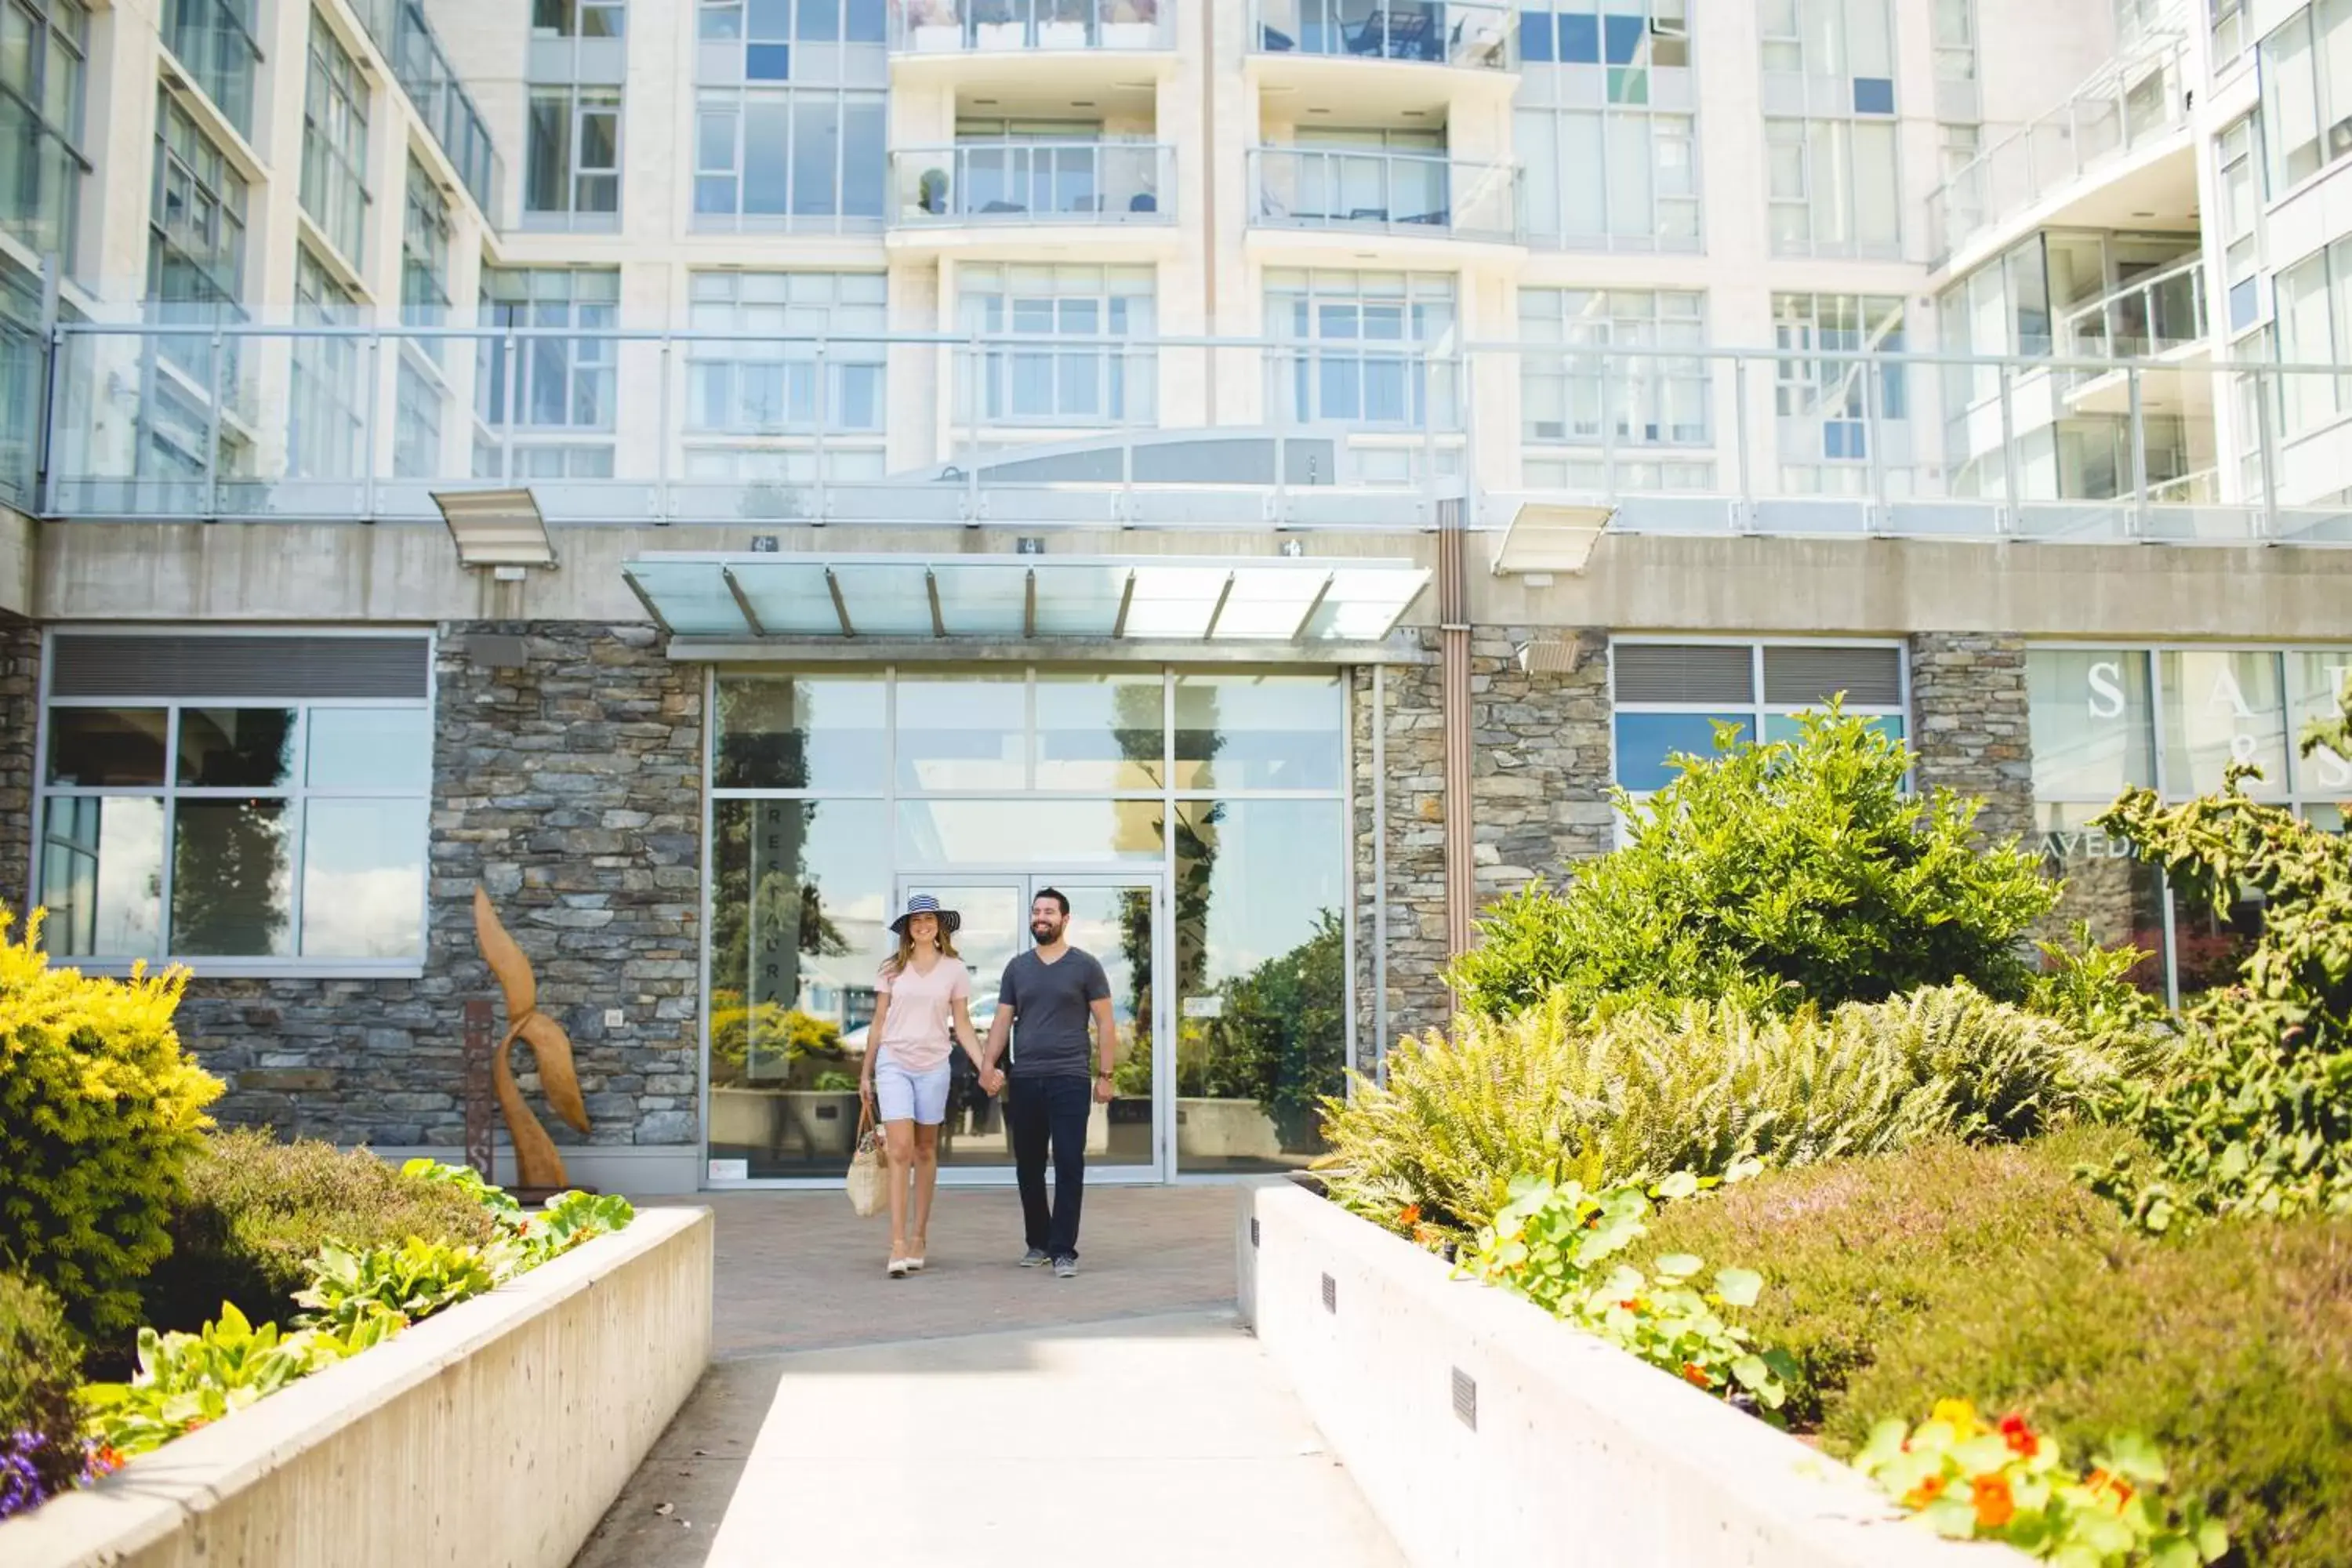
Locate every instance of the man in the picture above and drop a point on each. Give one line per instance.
(1047, 997)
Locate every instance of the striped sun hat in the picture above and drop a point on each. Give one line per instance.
(924, 904)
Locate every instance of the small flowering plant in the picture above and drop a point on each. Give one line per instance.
(2004, 1481)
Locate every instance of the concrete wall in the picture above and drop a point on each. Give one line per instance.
(1579, 1454)
(496, 1433)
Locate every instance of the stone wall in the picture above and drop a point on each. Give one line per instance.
(20, 686)
(571, 788)
(1539, 776)
(1971, 725)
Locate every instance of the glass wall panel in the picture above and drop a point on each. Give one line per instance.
(2314, 685)
(963, 732)
(1028, 832)
(102, 874)
(1261, 987)
(2120, 897)
(800, 898)
(369, 748)
(2223, 707)
(236, 748)
(1647, 743)
(2092, 721)
(103, 748)
(232, 878)
(364, 878)
(1258, 732)
(802, 731)
(1101, 732)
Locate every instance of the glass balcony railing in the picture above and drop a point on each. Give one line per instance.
(1395, 192)
(961, 26)
(1076, 183)
(1360, 419)
(423, 68)
(2148, 318)
(1480, 36)
(40, 181)
(2127, 105)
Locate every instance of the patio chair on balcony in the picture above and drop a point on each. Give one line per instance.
(1399, 35)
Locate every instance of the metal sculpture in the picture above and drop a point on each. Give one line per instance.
(537, 1164)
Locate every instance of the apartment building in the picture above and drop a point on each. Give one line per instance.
(701, 470)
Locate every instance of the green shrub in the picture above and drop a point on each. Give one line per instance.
(40, 1425)
(1787, 872)
(100, 1113)
(413, 1279)
(1989, 1273)
(1633, 1093)
(187, 1381)
(258, 1210)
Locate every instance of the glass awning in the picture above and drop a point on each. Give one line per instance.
(1156, 598)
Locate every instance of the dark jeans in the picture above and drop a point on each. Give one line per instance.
(1050, 1109)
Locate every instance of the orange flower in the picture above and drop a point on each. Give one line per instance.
(1995, 1506)
(1634, 1304)
(2020, 1437)
(2113, 1490)
(1926, 1493)
(1408, 1215)
(1695, 1376)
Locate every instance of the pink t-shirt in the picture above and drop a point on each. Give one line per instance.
(916, 1032)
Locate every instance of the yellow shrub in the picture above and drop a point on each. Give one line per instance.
(99, 1111)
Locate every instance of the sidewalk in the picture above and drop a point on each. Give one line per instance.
(982, 1414)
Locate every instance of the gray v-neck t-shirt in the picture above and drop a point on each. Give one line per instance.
(1053, 1008)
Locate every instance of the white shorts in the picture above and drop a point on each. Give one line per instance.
(903, 1096)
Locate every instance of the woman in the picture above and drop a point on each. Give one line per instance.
(924, 992)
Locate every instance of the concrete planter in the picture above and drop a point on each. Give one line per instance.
(1483, 1431)
(496, 1433)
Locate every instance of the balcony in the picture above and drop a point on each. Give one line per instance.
(40, 181)
(1025, 27)
(1478, 36)
(1111, 187)
(2147, 319)
(2117, 153)
(1352, 192)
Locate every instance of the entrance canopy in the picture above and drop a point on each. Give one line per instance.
(1156, 599)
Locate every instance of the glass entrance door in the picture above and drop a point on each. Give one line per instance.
(1117, 920)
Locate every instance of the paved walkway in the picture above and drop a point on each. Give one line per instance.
(981, 1414)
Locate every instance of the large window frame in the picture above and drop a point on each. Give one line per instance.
(213, 40)
(333, 188)
(2305, 71)
(326, 419)
(2312, 312)
(833, 176)
(1626, 421)
(568, 126)
(1084, 387)
(762, 409)
(547, 407)
(1855, 404)
(41, 102)
(297, 794)
(1356, 349)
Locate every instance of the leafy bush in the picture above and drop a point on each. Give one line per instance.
(259, 1210)
(2251, 1113)
(99, 1113)
(412, 1280)
(41, 1449)
(187, 1381)
(1784, 872)
(2008, 1483)
(1562, 1247)
(1633, 1092)
(1990, 1271)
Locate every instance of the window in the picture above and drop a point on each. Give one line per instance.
(791, 40)
(574, 156)
(1827, 409)
(2307, 84)
(1956, 40)
(2240, 224)
(334, 143)
(1832, 187)
(578, 18)
(417, 406)
(259, 801)
(1358, 348)
(798, 159)
(1624, 40)
(324, 421)
(2171, 720)
(43, 60)
(1065, 387)
(1580, 411)
(1668, 697)
(547, 404)
(1609, 179)
(2228, 21)
(423, 68)
(2314, 327)
(741, 386)
(1851, 40)
(213, 39)
(196, 246)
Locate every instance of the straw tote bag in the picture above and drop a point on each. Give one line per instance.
(866, 1167)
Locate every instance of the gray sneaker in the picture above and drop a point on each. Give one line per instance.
(1066, 1268)
(1034, 1257)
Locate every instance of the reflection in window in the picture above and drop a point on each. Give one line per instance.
(800, 732)
(2116, 895)
(1028, 832)
(1648, 744)
(2219, 709)
(231, 881)
(2093, 722)
(1101, 732)
(1258, 732)
(1261, 988)
(102, 875)
(961, 732)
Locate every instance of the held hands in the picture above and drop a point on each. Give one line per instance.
(1104, 1091)
(992, 1081)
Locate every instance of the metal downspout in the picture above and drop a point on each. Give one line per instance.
(1453, 701)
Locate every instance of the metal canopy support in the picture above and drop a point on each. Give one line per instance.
(1223, 594)
(743, 601)
(840, 604)
(646, 600)
(931, 588)
(1125, 600)
(1314, 604)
